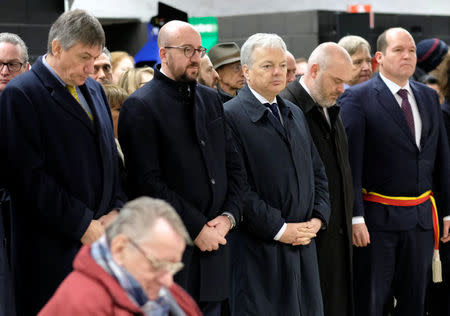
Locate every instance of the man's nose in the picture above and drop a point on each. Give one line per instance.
(101, 73)
(4, 70)
(365, 65)
(167, 279)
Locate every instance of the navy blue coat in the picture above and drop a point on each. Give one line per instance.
(286, 182)
(62, 172)
(385, 159)
(176, 149)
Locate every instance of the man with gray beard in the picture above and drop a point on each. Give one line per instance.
(329, 67)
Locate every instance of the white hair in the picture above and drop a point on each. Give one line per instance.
(260, 40)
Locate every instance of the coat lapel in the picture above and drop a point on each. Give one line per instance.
(61, 95)
(424, 114)
(256, 111)
(390, 104)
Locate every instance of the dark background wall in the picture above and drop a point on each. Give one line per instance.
(302, 30)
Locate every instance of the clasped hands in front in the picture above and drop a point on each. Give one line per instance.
(97, 227)
(301, 233)
(213, 234)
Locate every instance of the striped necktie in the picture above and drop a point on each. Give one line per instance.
(73, 92)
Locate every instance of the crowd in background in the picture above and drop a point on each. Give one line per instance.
(273, 185)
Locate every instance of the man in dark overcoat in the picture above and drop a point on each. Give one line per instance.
(329, 67)
(59, 158)
(173, 135)
(398, 152)
(286, 197)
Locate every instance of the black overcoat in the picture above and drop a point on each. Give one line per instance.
(286, 182)
(335, 243)
(62, 171)
(175, 148)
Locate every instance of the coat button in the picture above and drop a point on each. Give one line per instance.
(213, 181)
(202, 142)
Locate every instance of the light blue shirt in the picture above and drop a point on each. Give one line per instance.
(83, 101)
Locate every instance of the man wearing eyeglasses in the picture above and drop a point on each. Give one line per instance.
(129, 270)
(174, 139)
(13, 58)
(13, 62)
(226, 59)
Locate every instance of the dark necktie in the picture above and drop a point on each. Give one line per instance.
(406, 107)
(273, 107)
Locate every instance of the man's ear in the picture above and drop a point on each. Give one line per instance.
(163, 54)
(117, 247)
(379, 57)
(56, 48)
(314, 70)
(246, 71)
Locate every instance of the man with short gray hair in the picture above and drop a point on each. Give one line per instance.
(60, 159)
(286, 197)
(316, 92)
(13, 58)
(102, 68)
(130, 269)
(359, 50)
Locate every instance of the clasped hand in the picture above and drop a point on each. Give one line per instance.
(213, 234)
(301, 233)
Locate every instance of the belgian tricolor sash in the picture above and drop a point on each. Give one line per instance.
(413, 201)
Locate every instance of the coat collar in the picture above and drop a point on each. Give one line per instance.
(63, 97)
(257, 110)
(304, 100)
(387, 100)
(184, 88)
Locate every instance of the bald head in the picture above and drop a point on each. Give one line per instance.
(173, 31)
(180, 49)
(329, 68)
(327, 54)
(291, 68)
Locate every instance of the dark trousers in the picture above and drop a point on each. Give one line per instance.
(211, 308)
(394, 264)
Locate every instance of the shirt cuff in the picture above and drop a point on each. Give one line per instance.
(447, 218)
(231, 218)
(280, 232)
(359, 220)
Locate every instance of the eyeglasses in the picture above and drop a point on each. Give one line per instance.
(12, 67)
(190, 51)
(159, 265)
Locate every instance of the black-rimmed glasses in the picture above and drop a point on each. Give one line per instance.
(159, 265)
(12, 66)
(190, 51)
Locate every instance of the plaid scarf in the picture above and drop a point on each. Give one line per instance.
(101, 254)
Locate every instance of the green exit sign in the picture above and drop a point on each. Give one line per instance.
(208, 28)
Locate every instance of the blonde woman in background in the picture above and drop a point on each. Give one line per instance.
(116, 96)
(133, 79)
(120, 62)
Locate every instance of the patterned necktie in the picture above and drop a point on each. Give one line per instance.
(273, 107)
(73, 92)
(406, 107)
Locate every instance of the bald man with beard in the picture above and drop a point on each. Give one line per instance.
(174, 140)
(329, 67)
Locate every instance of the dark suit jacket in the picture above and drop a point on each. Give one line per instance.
(62, 172)
(384, 156)
(176, 149)
(335, 243)
(286, 182)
